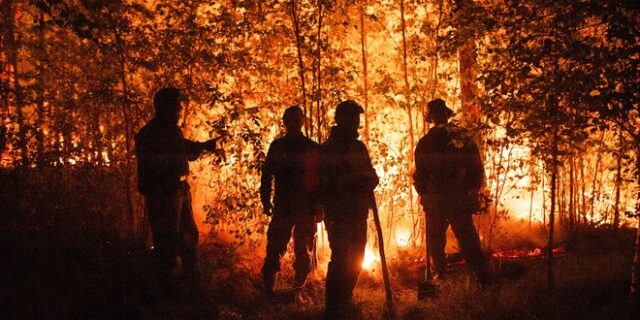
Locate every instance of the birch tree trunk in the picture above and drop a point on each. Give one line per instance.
(407, 87)
(4, 72)
(552, 211)
(468, 72)
(616, 206)
(318, 89)
(407, 93)
(594, 185)
(125, 107)
(295, 18)
(572, 195)
(365, 84)
(636, 251)
(40, 95)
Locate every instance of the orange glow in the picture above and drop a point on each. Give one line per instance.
(370, 259)
(250, 96)
(402, 237)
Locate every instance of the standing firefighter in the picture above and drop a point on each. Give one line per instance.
(347, 180)
(293, 161)
(448, 177)
(163, 156)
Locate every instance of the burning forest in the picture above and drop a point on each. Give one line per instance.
(155, 156)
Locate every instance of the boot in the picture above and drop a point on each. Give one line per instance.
(268, 280)
(299, 281)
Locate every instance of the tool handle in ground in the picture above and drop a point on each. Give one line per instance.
(383, 260)
(427, 257)
(426, 289)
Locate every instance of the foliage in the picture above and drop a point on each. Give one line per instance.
(545, 69)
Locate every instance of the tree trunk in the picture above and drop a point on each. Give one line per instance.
(295, 18)
(499, 186)
(127, 133)
(532, 193)
(544, 198)
(4, 73)
(636, 252)
(583, 191)
(40, 94)
(552, 211)
(436, 63)
(532, 187)
(468, 72)
(594, 186)
(560, 197)
(407, 87)
(616, 206)
(97, 137)
(554, 169)
(636, 256)
(437, 57)
(318, 94)
(365, 85)
(407, 93)
(572, 196)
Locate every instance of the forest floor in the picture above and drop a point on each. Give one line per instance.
(71, 274)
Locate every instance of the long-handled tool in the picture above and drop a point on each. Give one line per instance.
(383, 259)
(426, 289)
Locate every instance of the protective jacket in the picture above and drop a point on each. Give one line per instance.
(293, 162)
(347, 177)
(448, 166)
(448, 175)
(163, 156)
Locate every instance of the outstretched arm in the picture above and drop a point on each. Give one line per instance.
(195, 149)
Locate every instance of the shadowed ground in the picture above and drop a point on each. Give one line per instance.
(55, 275)
(62, 258)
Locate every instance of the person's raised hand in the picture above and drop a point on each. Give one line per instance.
(210, 145)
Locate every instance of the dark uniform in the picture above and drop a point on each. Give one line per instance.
(293, 161)
(347, 180)
(163, 155)
(448, 175)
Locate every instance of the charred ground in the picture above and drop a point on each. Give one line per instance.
(65, 256)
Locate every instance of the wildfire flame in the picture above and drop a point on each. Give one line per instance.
(402, 237)
(370, 259)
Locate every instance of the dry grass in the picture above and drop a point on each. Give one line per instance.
(55, 265)
(591, 283)
(46, 277)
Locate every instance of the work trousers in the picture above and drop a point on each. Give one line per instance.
(278, 235)
(347, 239)
(174, 231)
(439, 217)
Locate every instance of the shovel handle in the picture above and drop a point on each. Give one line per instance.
(427, 258)
(383, 259)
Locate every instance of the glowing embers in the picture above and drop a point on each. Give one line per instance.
(534, 253)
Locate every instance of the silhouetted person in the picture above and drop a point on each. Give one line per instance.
(163, 156)
(448, 177)
(347, 180)
(292, 161)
